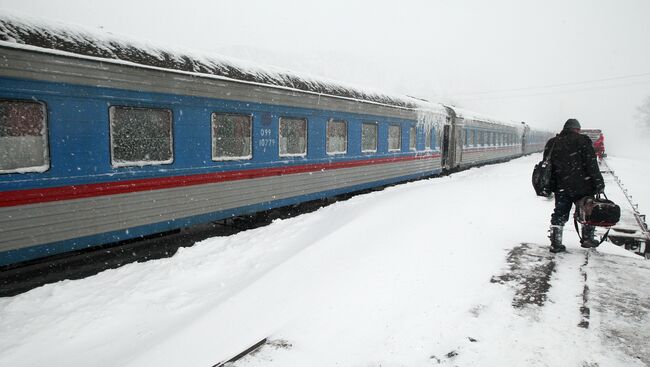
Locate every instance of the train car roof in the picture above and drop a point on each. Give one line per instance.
(469, 115)
(47, 36)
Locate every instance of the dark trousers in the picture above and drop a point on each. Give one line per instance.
(563, 203)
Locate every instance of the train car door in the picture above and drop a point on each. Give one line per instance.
(455, 144)
(450, 147)
(450, 140)
(524, 138)
(460, 144)
(445, 146)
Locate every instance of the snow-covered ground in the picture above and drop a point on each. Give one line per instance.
(634, 173)
(418, 274)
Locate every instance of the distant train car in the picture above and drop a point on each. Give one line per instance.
(480, 140)
(103, 140)
(598, 139)
(593, 134)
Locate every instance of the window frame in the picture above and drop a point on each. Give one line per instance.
(413, 138)
(115, 164)
(436, 133)
(399, 138)
(226, 159)
(45, 136)
(290, 155)
(327, 137)
(376, 125)
(428, 134)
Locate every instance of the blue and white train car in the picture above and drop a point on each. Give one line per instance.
(98, 149)
(103, 140)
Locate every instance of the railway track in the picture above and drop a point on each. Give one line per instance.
(631, 231)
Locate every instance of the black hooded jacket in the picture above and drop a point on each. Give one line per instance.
(575, 169)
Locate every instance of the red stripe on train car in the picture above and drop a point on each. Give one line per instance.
(32, 196)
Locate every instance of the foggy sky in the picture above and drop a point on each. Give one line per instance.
(462, 52)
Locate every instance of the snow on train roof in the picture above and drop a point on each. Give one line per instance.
(18, 30)
(469, 115)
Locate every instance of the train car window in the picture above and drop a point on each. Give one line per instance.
(427, 138)
(394, 138)
(337, 137)
(23, 137)
(412, 138)
(140, 136)
(472, 140)
(293, 137)
(231, 136)
(368, 138)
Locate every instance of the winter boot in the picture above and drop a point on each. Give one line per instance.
(556, 239)
(588, 234)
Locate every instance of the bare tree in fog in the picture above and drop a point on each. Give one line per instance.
(644, 117)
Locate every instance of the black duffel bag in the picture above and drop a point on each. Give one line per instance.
(542, 182)
(599, 212)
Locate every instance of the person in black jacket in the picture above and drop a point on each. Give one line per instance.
(575, 174)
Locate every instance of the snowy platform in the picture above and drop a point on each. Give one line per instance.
(447, 271)
(612, 311)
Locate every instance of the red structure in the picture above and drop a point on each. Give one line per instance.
(599, 146)
(597, 137)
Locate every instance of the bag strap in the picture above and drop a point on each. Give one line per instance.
(602, 239)
(550, 152)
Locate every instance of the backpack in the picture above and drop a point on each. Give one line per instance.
(542, 176)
